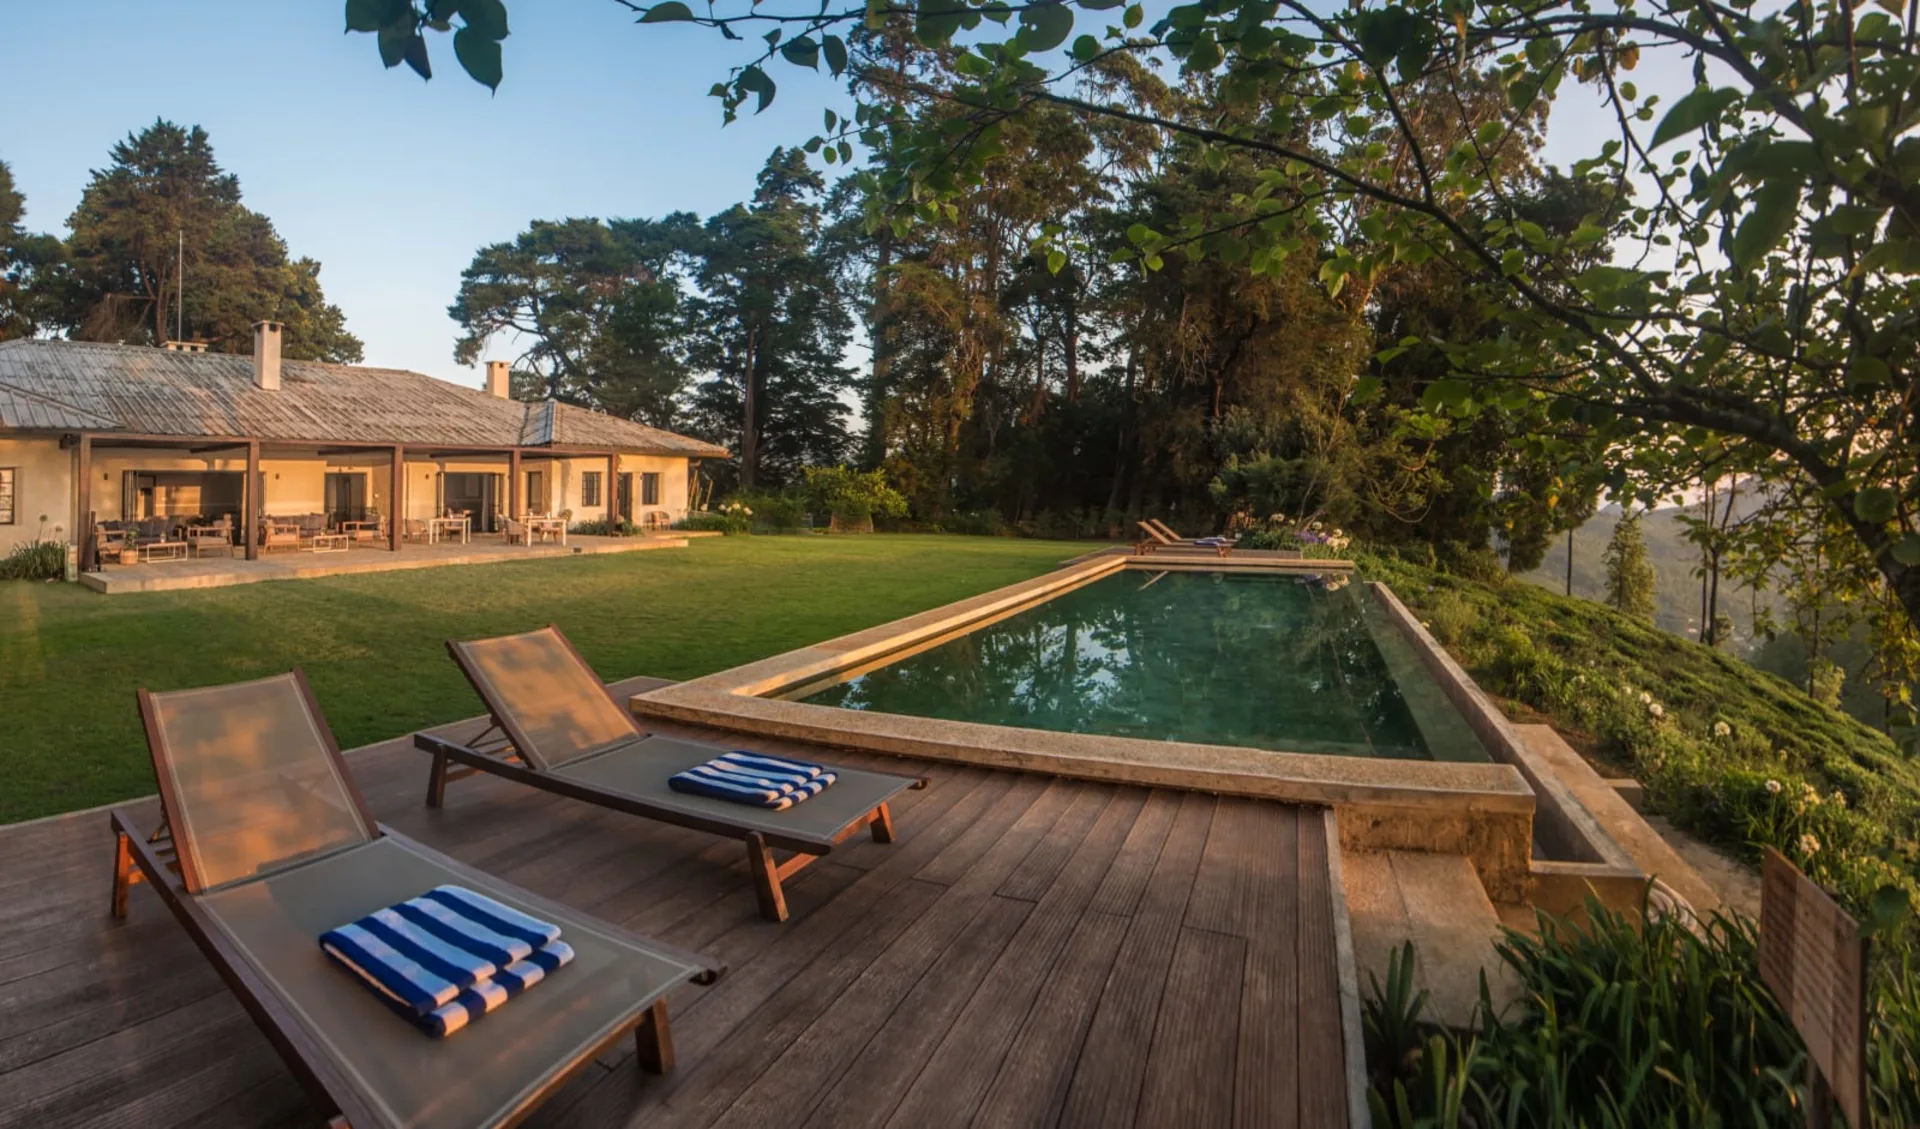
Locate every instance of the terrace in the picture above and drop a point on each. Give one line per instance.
(1034, 950)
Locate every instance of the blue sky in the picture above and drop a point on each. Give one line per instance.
(393, 183)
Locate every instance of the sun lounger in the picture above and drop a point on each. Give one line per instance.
(1164, 537)
(267, 844)
(556, 727)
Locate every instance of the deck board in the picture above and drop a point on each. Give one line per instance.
(1030, 952)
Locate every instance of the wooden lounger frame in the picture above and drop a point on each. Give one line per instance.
(156, 860)
(495, 750)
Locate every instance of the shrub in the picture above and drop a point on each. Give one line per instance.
(731, 524)
(1270, 538)
(975, 523)
(35, 560)
(598, 527)
(1450, 618)
(785, 512)
(852, 495)
(1621, 1021)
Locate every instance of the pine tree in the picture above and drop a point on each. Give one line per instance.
(1629, 572)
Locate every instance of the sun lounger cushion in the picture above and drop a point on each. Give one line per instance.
(776, 783)
(447, 956)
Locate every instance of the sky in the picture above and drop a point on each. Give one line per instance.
(392, 183)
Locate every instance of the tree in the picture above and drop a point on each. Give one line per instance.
(1790, 212)
(26, 261)
(1629, 572)
(596, 308)
(163, 200)
(775, 329)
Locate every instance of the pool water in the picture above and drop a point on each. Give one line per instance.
(1289, 663)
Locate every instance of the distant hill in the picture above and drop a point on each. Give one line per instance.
(1675, 568)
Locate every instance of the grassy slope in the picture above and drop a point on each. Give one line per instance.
(1776, 730)
(70, 660)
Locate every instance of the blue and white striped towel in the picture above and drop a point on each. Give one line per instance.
(448, 955)
(755, 779)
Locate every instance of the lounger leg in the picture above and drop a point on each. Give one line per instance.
(882, 825)
(766, 878)
(122, 873)
(653, 1039)
(437, 781)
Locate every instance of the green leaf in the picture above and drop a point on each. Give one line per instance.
(1100, 5)
(1867, 370)
(485, 17)
(802, 52)
(394, 39)
(441, 11)
(1045, 26)
(1448, 393)
(1531, 232)
(754, 81)
(673, 11)
(938, 20)
(1134, 17)
(1056, 261)
(1384, 33)
(1085, 48)
(1876, 505)
(1699, 107)
(1366, 389)
(368, 15)
(416, 56)
(835, 49)
(479, 56)
(1776, 208)
(1907, 550)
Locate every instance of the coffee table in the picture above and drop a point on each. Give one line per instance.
(331, 543)
(163, 551)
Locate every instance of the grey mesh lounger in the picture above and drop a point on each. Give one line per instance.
(556, 727)
(266, 843)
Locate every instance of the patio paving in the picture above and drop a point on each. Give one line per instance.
(1032, 951)
(219, 572)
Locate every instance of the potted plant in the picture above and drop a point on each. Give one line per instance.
(130, 547)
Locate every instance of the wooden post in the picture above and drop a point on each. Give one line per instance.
(83, 506)
(513, 484)
(397, 499)
(612, 491)
(255, 494)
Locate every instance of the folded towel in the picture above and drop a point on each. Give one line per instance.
(476, 1001)
(754, 778)
(424, 952)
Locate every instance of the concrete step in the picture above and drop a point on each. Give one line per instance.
(1436, 902)
(1617, 817)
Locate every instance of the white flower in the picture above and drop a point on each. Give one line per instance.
(1809, 844)
(1722, 729)
(1773, 787)
(1838, 799)
(1313, 525)
(1810, 795)
(1646, 699)
(1656, 710)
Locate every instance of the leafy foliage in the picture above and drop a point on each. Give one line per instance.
(162, 198)
(35, 560)
(25, 260)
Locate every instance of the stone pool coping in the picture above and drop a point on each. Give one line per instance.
(1483, 811)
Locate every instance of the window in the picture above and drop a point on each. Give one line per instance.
(537, 501)
(649, 489)
(590, 488)
(6, 494)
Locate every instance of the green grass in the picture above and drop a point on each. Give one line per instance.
(372, 645)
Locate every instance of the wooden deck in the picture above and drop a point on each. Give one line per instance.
(1031, 952)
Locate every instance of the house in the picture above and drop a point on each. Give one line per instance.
(92, 432)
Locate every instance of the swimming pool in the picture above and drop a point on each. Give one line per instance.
(1282, 662)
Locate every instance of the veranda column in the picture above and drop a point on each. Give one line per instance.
(83, 502)
(255, 495)
(397, 498)
(513, 484)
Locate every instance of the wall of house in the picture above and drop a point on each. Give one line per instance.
(43, 485)
(291, 484)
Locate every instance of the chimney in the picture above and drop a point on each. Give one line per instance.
(185, 346)
(497, 382)
(266, 355)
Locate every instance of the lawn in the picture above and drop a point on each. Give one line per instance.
(372, 645)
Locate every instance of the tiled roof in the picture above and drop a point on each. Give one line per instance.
(44, 383)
